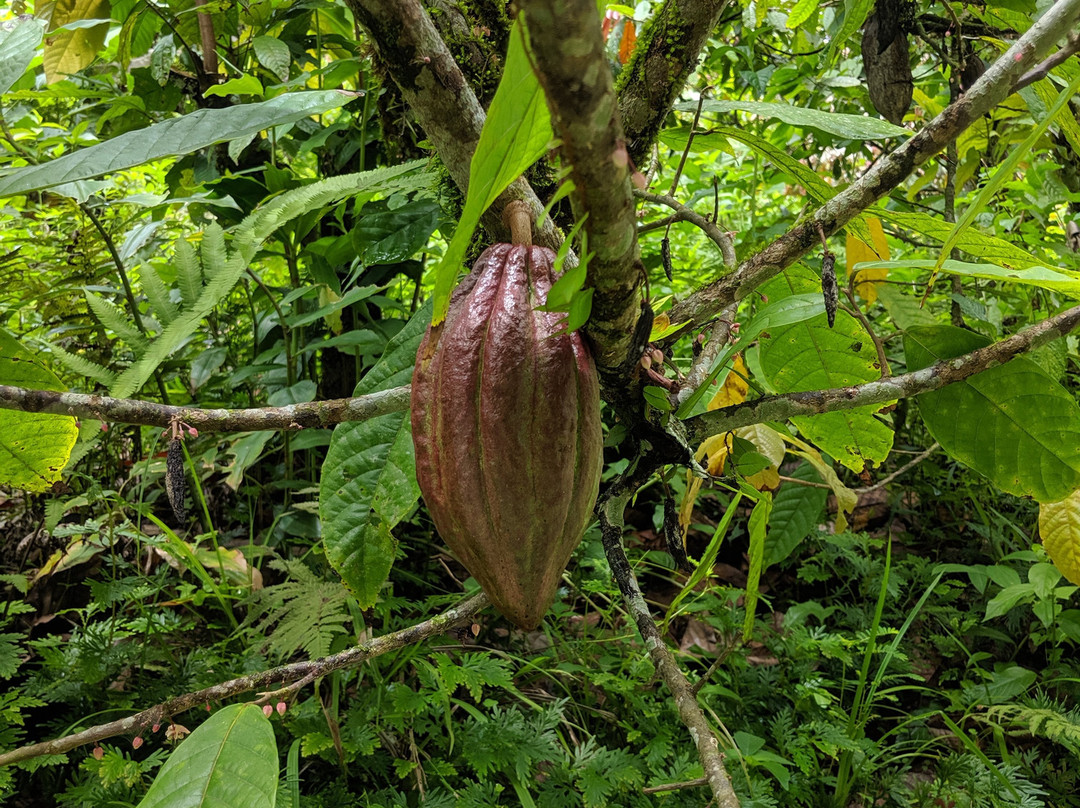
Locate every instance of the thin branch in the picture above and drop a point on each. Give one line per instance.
(904, 469)
(571, 64)
(667, 52)
(938, 375)
(1040, 71)
(991, 89)
(147, 413)
(684, 213)
(701, 781)
(454, 617)
(432, 84)
(702, 365)
(610, 511)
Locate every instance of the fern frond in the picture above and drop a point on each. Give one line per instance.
(189, 276)
(304, 612)
(250, 235)
(158, 295)
(1048, 720)
(214, 254)
(116, 320)
(82, 366)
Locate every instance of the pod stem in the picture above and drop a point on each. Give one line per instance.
(517, 215)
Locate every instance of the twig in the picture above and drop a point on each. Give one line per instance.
(610, 511)
(904, 469)
(938, 375)
(856, 310)
(702, 365)
(1040, 71)
(684, 213)
(990, 90)
(701, 781)
(807, 483)
(461, 614)
(147, 413)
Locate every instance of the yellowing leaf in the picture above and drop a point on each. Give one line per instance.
(767, 440)
(858, 251)
(71, 50)
(1059, 526)
(717, 448)
(846, 499)
(734, 388)
(768, 477)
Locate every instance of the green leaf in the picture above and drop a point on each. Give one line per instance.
(1057, 280)
(811, 356)
(974, 243)
(851, 127)
(17, 49)
(801, 12)
(1007, 169)
(229, 761)
(757, 527)
(795, 513)
(33, 447)
(657, 397)
(855, 14)
(391, 236)
(368, 478)
(274, 55)
(704, 568)
(242, 85)
(73, 48)
(171, 138)
(515, 135)
(1012, 423)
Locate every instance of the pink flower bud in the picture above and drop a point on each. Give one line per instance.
(137, 742)
(98, 753)
(281, 707)
(268, 710)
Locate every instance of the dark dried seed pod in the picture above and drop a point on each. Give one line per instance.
(674, 536)
(175, 481)
(887, 64)
(829, 289)
(665, 256)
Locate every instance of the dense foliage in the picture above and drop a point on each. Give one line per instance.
(867, 604)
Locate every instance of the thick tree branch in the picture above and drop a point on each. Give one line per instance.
(436, 91)
(949, 371)
(1040, 71)
(146, 413)
(991, 89)
(460, 615)
(610, 511)
(667, 52)
(568, 53)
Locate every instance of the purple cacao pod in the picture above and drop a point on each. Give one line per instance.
(506, 426)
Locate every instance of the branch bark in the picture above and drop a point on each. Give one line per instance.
(570, 62)
(455, 617)
(687, 214)
(610, 511)
(938, 375)
(995, 85)
(146, 413)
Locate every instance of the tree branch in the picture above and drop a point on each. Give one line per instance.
(686, 214)
(938, 375)
(610, 511)
(1040, 71)
(146, 413)
(570, 62)
(991, 89)
(667, 52)
(436, 91)
(454, 617)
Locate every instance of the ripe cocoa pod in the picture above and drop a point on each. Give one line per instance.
(506, 426)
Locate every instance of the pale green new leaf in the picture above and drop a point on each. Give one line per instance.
(171, 138)
(851, 127)
(229, 761)
(515, 135)
(1012, 423)
(801, 12)
(17, 49)
(855, 14)
(811, 356)
(1057, 280)
(33, 447)
(1007, 169)
(368, 479)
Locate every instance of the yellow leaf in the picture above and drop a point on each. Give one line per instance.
(716, 447)
(72, 50)
(858, 251)
(734, 388)
(768, 477)
(846, 499)
(1059, 526)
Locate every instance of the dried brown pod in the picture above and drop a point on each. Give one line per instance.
(175, 481)
(886, 61)
(829, 288)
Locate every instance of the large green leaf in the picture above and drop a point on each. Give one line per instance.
(1057, 280)
(853, 127)
(974, 243)
(17, 48)
(811, 356)
(1012, 423)
(83, 26)
(368, 478)
(795, 513)
(229, 761)
(222, 274)
(33, 447)
(515, 135)
(174, 137)
(855, 14)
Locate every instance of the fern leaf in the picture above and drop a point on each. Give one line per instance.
(250, 235)
(81, 366)
(188, 272)
(116, 320)
(158, 296)
(214, 255)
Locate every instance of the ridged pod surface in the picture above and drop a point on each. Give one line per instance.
(506, 426)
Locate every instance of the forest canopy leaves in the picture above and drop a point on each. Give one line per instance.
(851, 127)
(1012, 423)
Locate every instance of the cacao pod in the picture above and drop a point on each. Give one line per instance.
(887, 62)
(506, 427)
